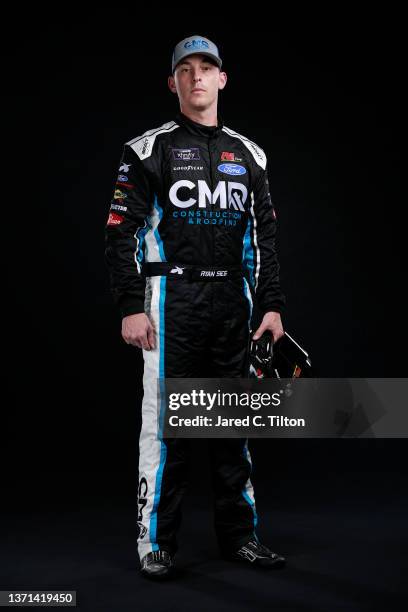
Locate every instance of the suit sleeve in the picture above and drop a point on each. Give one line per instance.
(260, 254)
(127, 223)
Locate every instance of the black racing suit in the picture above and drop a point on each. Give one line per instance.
(190, 212)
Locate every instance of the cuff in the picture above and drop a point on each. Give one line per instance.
(130, 305)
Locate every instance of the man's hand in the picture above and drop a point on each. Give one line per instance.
(272, 322)
(137, 329)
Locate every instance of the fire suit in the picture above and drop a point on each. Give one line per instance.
(190, 238)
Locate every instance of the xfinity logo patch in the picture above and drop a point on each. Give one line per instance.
(229, 194)
(234, 169)
(186, 154)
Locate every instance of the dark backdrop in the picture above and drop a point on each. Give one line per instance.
(323, 97)
(327, 106)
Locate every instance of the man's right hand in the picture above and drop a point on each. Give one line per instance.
(137, 329)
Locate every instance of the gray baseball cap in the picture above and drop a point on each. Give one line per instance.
(195, 44)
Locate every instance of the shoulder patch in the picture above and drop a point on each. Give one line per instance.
(257, 153)
(143, 145)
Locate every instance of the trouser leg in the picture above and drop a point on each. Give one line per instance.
(152, 448)
(163, 463)
(196, 324)
(235, 515)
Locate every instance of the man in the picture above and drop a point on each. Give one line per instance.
(191, 212)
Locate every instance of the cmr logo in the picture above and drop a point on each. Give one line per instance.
(142, 501)
(229, 194)
(196, 43)
(142, 497)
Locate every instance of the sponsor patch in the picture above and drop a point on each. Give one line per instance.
(124, 167)
(115, 219)
(232, 169)
(186, 154)
(119, 195)
(228, 194)
(176, 270)
(126, 185)
(118, 207)
(187, 168)
(142, 501)
(228, 156)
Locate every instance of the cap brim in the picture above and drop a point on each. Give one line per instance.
(215, 59)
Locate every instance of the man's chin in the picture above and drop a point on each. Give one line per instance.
(199, 105)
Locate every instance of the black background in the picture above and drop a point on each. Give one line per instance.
(324, 95)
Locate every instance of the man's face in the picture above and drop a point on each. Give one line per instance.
(197, 81)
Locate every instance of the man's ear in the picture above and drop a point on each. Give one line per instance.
(223, 80)
(172, 84)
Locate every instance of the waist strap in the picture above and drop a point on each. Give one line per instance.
(192, 273)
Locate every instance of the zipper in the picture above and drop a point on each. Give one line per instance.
(212, 191)
(212, 285)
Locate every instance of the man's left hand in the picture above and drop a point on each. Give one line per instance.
(272, 322)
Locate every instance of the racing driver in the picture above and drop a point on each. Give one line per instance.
(190, 238)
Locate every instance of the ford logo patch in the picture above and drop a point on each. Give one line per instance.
(233, 169)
